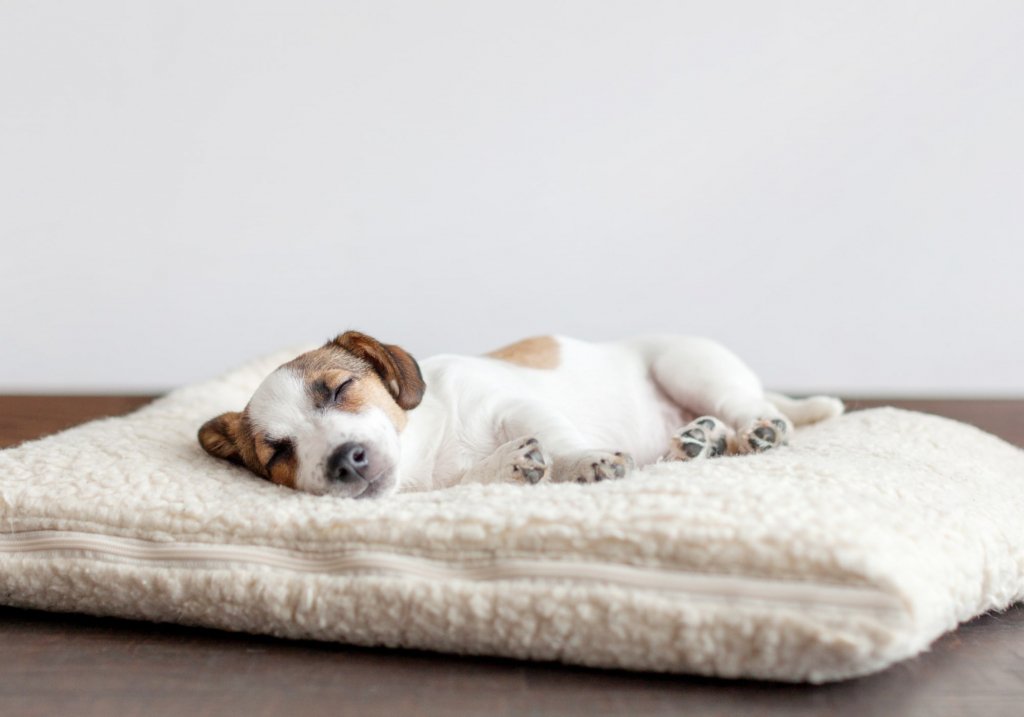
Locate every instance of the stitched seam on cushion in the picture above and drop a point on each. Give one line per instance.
(464, 556)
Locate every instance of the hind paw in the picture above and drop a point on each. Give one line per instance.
(764, 434)
(704, 437)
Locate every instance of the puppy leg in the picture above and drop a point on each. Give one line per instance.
(523, 460)
(572, 459)
(708, 380)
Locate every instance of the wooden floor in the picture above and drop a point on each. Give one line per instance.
(54, 664)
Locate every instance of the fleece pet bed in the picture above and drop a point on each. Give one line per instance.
(853, 548)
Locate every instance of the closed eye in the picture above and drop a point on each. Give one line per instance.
(339, 392)
(282, 451)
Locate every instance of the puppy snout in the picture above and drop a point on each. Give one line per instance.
(348, 462)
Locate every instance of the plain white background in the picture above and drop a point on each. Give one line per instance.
(833, 189)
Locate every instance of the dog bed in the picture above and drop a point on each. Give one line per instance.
(853, 548)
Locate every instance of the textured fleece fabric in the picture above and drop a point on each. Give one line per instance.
(853, 548)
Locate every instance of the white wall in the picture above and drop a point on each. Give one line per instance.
(834, 189)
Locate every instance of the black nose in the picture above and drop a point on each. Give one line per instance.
(348, 462)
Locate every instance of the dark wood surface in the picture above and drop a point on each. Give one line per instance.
(23, 418)
(53, 664)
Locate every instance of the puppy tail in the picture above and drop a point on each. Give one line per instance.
(802, 411)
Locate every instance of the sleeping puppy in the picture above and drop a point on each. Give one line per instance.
(360, 419)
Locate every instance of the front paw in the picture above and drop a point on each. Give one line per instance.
(592, 466)
(528, 462)
(764, 434)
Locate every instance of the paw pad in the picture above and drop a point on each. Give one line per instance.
(597, 466)
(529, 463)
(765, 434)
(705, 437)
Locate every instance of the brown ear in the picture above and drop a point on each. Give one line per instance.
(396, 368)
(219, 436)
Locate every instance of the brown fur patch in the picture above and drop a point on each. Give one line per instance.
(360, 359)
(277, 462)
(219, 437)
(540, 352)
(324, 369)
(369, 391)
(396, 368)
(326, 358)
(229, 436)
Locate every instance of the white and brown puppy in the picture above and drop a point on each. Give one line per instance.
(340, 420)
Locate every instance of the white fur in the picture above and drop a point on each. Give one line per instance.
(627, 396)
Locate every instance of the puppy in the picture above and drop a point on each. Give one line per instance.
(360, 419)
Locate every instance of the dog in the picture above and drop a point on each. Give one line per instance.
(361, 419)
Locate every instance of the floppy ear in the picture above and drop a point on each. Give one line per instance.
(219, 436)
(396, 368)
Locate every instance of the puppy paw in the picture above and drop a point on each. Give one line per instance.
(764, 434)
(704, 437)
(528, 463)
(593, 466)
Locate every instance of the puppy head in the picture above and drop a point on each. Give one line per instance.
(327, 422)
